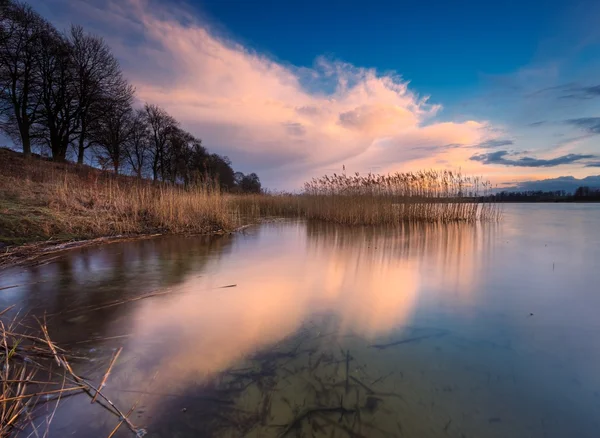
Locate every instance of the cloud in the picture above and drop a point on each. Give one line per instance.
(542, 92)
(589, 124)
(282, 121)
(569, 91)
(589, 92)
(536, 124)
(489, 144)
(295, 129)
(593, 164)
(499, 157)
(566, 183)
(378, 118)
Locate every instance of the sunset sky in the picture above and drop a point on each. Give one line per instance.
(293, 89)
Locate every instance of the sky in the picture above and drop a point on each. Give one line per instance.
(507, 90)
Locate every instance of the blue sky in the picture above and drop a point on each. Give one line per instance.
(509, 90)
(443, 47)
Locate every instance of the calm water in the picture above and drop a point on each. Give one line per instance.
(302, 329)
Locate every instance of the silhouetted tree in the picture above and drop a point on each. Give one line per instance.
(137, 148)
(219, 169)
(58, 121)
(197, 161)
(247, 183)
(111, 130)
(21, 40)
(238, 177)
(178, 153)
(161, 124)
(251, 183)
(582, 192)
(96, 76)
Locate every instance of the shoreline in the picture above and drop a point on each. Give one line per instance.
(34, 253)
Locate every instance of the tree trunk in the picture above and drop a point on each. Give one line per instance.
(81, 149)
(59, 155)
(59, 151)
(25, 135)
(155, 162)
(26, 141)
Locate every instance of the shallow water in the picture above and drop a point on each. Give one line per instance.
(303, 329)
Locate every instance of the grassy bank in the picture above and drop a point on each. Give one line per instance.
(40, 200)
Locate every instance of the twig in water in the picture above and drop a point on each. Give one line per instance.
(366, 388)
(112, 362)
(164, 394)
(309, 412)
(36, 394)
(108, 338)
(88, 387)
(118, 426)
(49, 420)
(6, 310)
(382, 378)
(406, 341)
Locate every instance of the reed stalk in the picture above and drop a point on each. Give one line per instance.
(425, 196)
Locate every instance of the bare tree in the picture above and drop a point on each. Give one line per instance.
(21, 32)
(112, 128)
(137, 149)
(96, 74)
(250, 183)
(161, 124)
(181, 151)
(58, 121)
(196, 162)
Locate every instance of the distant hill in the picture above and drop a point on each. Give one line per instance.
(567, 183)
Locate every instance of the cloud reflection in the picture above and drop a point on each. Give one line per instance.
(367, 281)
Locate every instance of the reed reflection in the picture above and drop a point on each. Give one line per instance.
(367, 280)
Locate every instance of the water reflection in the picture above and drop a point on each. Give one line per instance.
(365, 280)
(266, 323)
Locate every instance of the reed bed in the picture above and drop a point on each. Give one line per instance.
(426, 196)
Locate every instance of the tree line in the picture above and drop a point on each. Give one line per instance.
(582, 194)
(65, 92)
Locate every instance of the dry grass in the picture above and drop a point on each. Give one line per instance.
(41, 200)
(430, 196)
(37, 374)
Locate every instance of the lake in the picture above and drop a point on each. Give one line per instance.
(310, 329)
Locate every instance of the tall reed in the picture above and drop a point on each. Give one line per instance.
(424, 196)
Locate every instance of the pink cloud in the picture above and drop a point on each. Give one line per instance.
(271, 117)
